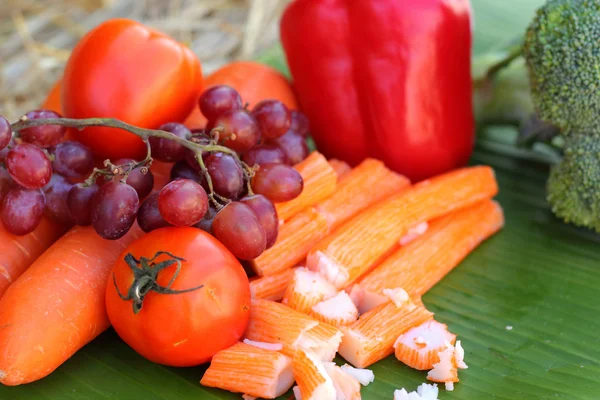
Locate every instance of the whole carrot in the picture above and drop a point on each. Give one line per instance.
(57, 305)
(18, 252)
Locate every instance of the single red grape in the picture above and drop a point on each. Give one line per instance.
(56, 193)
(6, 182)
(43, 135)
(79, 202)
(182, 202)
(218, 100)
(239, 130)
(226, 174)
(142, 183)
(238, 228)
(148, 215)
(181, 170)
(267, 215)
(72, 159)
(4, 151)
(168, 150)
(299, 123)
(273, 118)
(5, 132)
(114, 209)
(293, 145)
(265, 154)
(277, 182)
(21, 210)
(29, 166)
(207, 221)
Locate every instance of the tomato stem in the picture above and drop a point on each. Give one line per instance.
(145, 274)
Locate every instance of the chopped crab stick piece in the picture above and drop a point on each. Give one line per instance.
(251, 370)
(363, 376)
(418, 266)
(372, 337)
(424, 392)
(346, 386)
(367, 184)
(311, 377)
(271, 287)
(306, 290)
(264, 345)
(272, 322)
(296, 237)
(323, 340)
(337, 311)
(341, 168)
(319, 183)
(419, 346)
(359, 244)
(446, 369)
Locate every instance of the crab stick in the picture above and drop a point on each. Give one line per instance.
(243, 368)
(346, 386)
(337, 311)
(323, 340)
(446, 370)
(370, 182)
(306, 290)
(311, 377)
(319, 183)
(358, 245)
(419, 346)
(341, 168)
(372, 337)
(271, 287)
(296, 237)
(418, 266)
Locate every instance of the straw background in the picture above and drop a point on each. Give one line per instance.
(36, 36)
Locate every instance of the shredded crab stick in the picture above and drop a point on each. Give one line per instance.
(446, 370)
(306, 290)
(243, 368)
(311, 377)
(346, 386)
(271, 287)
(296, 237)
(353, 249)
(323, 340)
(424, 262)
(363, 376)
(419, 346)
(319, 183)
(372, 337)
(273, 322)
(18, 252)
(57, 305)
(337, 311)
(341, 168)
(355, 192)
(424, 392)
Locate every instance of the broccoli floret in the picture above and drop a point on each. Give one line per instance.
(562, 50)
(574, 183)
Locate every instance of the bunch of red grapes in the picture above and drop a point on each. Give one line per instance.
(235, 204)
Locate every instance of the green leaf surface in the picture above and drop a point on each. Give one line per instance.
(538, 276)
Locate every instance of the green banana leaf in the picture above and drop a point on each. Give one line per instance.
(524, 303)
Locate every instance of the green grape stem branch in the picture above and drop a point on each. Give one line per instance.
(145, 134)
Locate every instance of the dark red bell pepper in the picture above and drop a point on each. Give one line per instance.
(389, 79)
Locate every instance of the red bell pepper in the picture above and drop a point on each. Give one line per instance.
(389, 79)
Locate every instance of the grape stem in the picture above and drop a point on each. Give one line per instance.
(144, 134)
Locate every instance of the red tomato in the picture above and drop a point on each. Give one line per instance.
(188, 328)
(124, 70)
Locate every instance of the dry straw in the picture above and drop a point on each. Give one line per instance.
(36, 36)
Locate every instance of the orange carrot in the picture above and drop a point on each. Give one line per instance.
(319, 183)
(365, 185)
(356, 247)
(243, 368)
(271, 287)
(18, 252)
(372, 337)
(311, 377)
(341, 168)
(295, 239)
(419, 346)
(421, 264)
(272, 322)
(57, 305)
